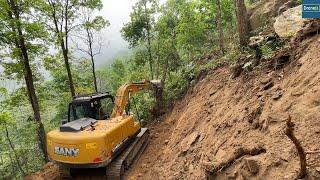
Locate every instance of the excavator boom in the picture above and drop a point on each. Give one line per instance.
(127, 90)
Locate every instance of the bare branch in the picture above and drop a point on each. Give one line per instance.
(81, 38)
(79, 48)
(73, 27)
(303, 162)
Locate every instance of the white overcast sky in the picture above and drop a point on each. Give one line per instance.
(118, 13)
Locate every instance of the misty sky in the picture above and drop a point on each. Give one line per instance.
(118, 13)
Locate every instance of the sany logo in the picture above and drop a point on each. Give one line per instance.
(66, 151)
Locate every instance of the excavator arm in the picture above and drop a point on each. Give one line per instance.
(128, 89)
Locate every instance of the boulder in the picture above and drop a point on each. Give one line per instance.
(262, 12)
(289, 23)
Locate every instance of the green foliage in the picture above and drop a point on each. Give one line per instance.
(3, 92)
(136, 31)
(175, 87)
(96, 24)
(113, 76)
(24, 140)
(5, 118)
(34, 35)
(207, 66)
(17, 125)
(268, 47)
(140, 105)
(190, 30)
(266, 51)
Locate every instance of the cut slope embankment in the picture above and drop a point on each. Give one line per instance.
(238, 125)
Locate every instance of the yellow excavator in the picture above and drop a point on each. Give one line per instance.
(100, 133)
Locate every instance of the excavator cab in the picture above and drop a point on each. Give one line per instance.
(96, 106)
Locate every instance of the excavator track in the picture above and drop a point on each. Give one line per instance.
(116, 168)
(64, 173)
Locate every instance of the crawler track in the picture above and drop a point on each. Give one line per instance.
(117, 167)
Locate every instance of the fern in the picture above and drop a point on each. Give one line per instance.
(266, 51)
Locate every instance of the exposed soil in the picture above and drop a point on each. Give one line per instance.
(50, 171)
(237, 125)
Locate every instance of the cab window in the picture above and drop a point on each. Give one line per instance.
(104, 108)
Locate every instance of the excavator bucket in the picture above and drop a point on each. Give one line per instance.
(158, 84)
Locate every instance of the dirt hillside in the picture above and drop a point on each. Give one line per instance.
(239, 124)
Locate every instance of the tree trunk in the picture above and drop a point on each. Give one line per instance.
(302, 155)
(159, 93)
(67, 65)
(158, 58)
(66, 49)
(219, 26)
(150, 55)
(148, 40)
(63, 45)
(20, 43)
(90, 41)
(165, 71)
(243, 23)
(94, 74)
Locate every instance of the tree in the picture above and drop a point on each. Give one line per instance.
(229, 20)
(62, 15)
(91, 25)
(19, 34)
(138, 30)
(167, 38)
(219, 26)
(192, 39)
(243, 23)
